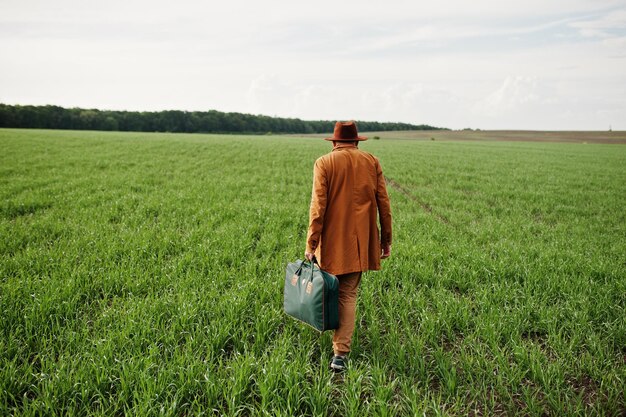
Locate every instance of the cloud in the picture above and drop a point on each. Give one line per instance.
(604, 26)
(515, 91)
(270, 94)
(399, 101)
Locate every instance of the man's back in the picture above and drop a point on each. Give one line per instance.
(352, 175)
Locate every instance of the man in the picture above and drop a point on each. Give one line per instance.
(348, 191)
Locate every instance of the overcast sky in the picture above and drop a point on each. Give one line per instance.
(507, 64)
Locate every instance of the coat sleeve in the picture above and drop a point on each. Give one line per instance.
(318, 206)
(384, 207)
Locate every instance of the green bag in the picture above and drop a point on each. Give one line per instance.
(311, 295)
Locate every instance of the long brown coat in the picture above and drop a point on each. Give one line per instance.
(348, 191)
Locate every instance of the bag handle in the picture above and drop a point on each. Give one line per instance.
(312, 263)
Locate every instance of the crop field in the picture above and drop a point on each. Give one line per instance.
(142, 274)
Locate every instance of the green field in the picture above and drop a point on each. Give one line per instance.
(142, 274)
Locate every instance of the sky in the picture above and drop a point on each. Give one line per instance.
(533, 64)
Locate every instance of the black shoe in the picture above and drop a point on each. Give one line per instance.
(338, 364)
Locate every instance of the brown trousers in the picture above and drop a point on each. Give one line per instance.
(348, 286)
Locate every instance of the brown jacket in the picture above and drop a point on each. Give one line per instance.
(348, 190)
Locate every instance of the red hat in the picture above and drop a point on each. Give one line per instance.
(346, 132)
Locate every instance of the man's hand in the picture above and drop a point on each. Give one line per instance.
(309, 256)
(386, 252)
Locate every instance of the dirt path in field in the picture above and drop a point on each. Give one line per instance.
(425, 206)
(582, 137)
(615, 138)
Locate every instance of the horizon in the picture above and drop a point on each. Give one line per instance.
(509, 66)
(310, 120)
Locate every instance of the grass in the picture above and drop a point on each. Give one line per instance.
(142, 274)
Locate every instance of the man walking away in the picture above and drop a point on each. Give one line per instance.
(348, 193)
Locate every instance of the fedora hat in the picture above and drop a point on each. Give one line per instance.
(346, 132)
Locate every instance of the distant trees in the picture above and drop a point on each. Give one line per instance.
(212, 121)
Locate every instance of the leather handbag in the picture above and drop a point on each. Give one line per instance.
(311, 295)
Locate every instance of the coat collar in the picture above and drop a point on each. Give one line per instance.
(341, 145)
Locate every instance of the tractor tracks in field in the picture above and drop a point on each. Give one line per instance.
(425, 206)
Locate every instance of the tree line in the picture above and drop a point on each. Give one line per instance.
(212, 121)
